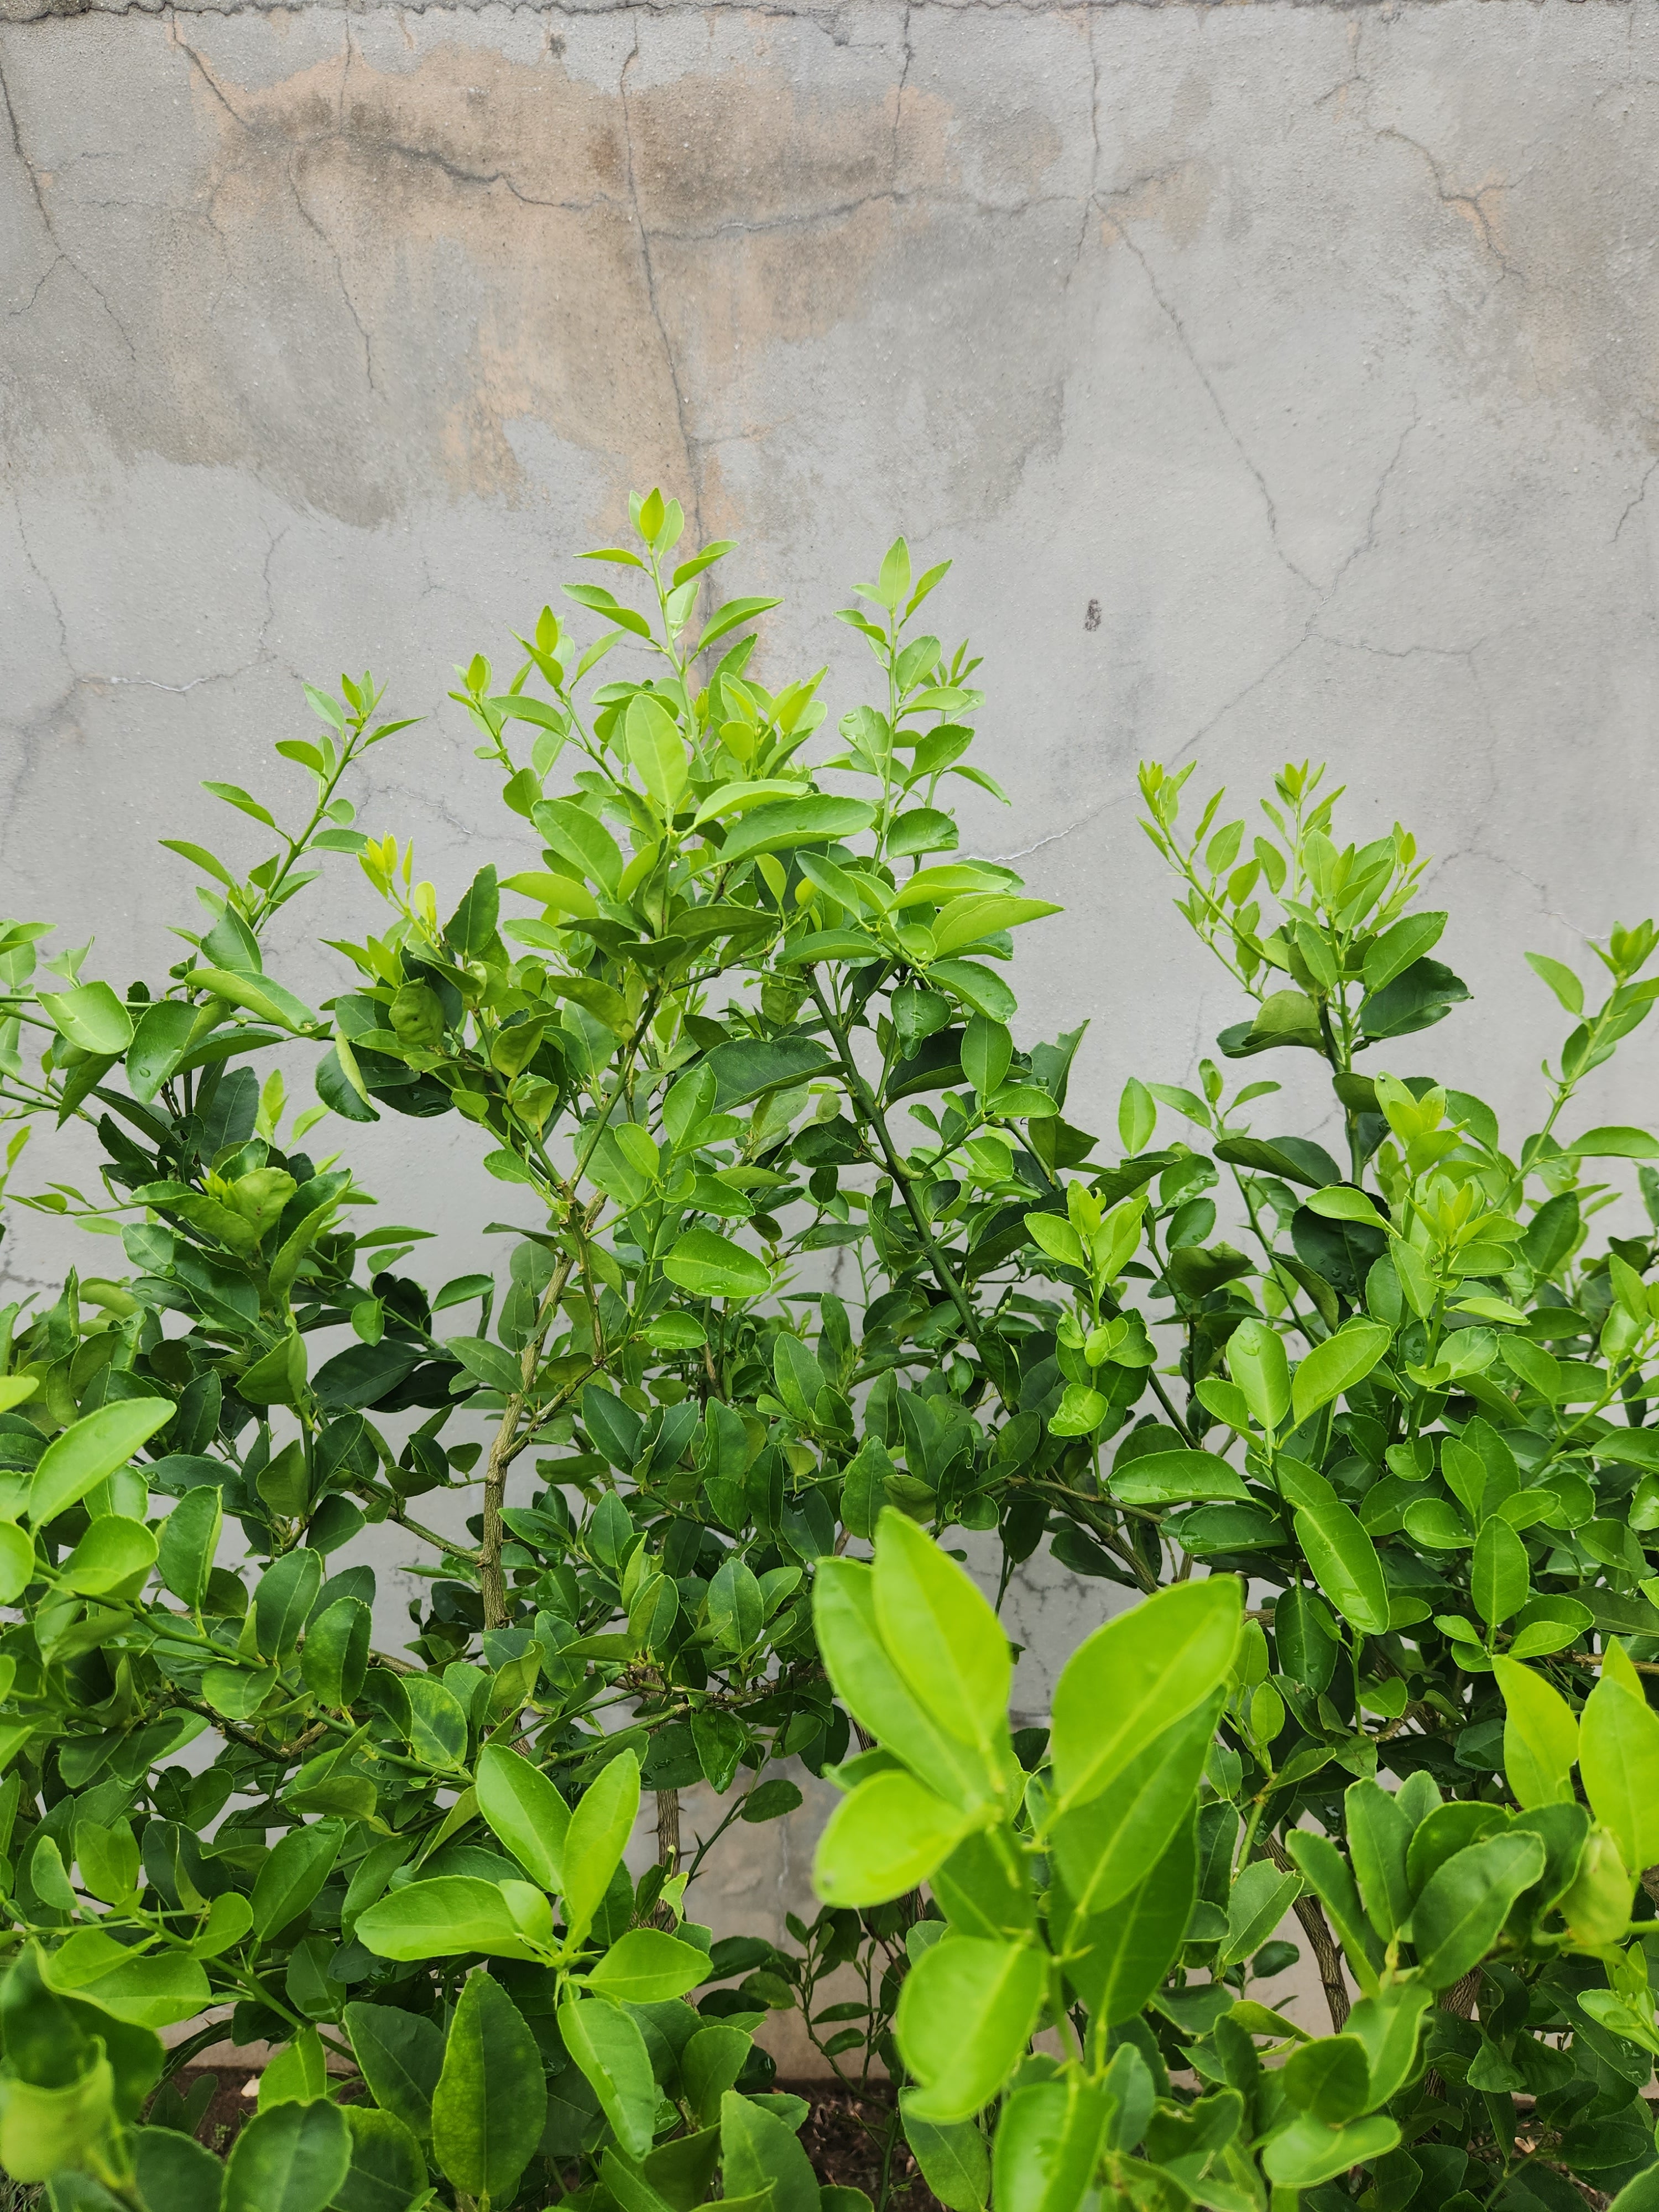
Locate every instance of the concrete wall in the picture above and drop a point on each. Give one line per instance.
(1282, 378)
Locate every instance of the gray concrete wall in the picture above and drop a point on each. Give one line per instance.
(1282, 378)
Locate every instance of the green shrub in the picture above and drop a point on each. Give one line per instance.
(742, 1035)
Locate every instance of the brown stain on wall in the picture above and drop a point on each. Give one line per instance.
(379, 275)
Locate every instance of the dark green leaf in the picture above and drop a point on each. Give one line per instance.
(401, 2056)
(293, 2158)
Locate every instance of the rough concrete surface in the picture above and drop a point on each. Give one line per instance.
(1282, 380)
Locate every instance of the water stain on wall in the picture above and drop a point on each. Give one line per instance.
(372, 275)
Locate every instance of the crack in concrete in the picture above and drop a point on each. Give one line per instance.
(306, 216)
(1203, 375)
(154, 683)
(333, 252)
(1464, 653)
(177, 37)
(838, 210)
(1311, 631)
(1238, 698)
(1470, 203)
(693, 469)
(80, 680)
(1356, 75)
(898, 90)
(1474, 850)
(1058, 836)
(13, 314)
(276, 538)
(486, 178)
(343, 135)
(47, 224)
(45, 582)
(1630, 509)
(1091, 198)
(1369, 540)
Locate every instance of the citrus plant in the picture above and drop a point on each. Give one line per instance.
(1077, 2023)
(800, 1241)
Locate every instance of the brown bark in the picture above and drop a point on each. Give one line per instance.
(492, 1576)
(1327, 1954)
(668, 1851)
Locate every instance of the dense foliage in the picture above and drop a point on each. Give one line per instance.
(1071, 1879)
(805, 1246)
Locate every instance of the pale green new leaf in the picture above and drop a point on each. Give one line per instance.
(657, 749)
(1540, 1736)
(446, 1917)
(91, 1449)
(596, 1839)
(888, 1835)
(870, 1685)
(1618, 1760)
(1137, 1675)
(965, 2015)
(941, 1634)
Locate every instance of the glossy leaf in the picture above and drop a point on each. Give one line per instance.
(1618, 1760)
(1336, 1365)
(759, 2152)
(873, 1690)
(596, 1837)
(1465, 1903)
(647, 1966)
(388, 2170)
(190, 1543)
(954, 2157)
(1131, 1678)
(1540, 1736)
(524, 1809)
(400, 2055)
(710, 2062)
(943, 1636)
(172, 2170)
(91, 1017)
(298, 1865)
(1499, 1577)
(965, 2015)
(1256, 1362)
(90, 1450)
(294, 2158)
(1379, 1838)
(335, 1657)
(604, 2043)
(1106, 1846)
(1048, 2140)
(1308, 2151)
(446, 1917)
(1345, 1564)
(1121, 1956)
(888, 1835)
(710, 1265)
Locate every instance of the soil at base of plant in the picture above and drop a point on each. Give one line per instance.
(845, 2134)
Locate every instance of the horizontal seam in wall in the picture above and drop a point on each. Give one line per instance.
(28, 12)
